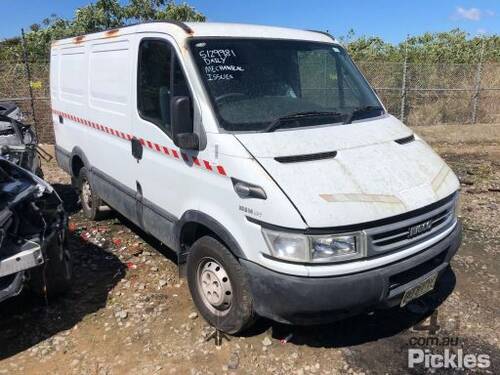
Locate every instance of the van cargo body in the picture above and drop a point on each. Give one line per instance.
(261, 156)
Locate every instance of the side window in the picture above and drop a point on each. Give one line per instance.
(157, 82)
(180, 87)
(154, 82)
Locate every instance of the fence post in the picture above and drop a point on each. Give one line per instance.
(403, 84)
(478, 84)
(28, 75)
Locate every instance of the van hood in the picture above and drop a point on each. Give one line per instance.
(370, 176)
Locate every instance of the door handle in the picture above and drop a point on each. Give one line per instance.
(136, 148)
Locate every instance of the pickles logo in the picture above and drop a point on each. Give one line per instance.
(447, 359)
(441, 352)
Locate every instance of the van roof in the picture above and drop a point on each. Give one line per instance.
(183, 30)
(256, 31)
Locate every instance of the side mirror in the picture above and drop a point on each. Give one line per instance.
(182, 124)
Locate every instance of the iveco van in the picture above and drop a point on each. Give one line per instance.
(264, 159)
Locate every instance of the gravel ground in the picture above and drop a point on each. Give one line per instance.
(129, 312)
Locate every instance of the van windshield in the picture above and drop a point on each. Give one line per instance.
(265, 84)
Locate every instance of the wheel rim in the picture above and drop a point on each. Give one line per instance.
(214, 286)
(87, 193)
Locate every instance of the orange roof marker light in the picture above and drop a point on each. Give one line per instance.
(79, 39)
(111, 33)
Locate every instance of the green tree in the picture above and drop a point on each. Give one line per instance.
(98, 16)
(455, 46)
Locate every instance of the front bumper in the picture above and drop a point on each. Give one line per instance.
(306, 300)
(11, 285)
(12, 269)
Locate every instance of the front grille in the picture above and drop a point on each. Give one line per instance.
(403, 234)
(398, 235)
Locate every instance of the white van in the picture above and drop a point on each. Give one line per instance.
(264, 159)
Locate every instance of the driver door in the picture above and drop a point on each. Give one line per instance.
(164, 178)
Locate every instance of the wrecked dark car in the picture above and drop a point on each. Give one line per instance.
(19, 144)
(33, 225)
(11, 110)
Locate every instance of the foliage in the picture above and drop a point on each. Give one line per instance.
(98, 16)
(455, 46)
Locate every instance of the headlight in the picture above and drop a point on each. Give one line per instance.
(297, 247)
(287, 246)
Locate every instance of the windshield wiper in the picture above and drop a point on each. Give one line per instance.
(294, 116)
(360, 111)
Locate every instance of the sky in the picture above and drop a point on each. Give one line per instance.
(390, 19)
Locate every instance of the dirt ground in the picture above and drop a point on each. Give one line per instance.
(130, 313)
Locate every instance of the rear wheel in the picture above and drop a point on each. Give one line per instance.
(89, 199)
(219, 286)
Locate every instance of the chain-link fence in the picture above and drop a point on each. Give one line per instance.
(419, 94)
(427, 94)
(30, 92)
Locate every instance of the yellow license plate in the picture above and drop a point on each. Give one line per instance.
(419, 290)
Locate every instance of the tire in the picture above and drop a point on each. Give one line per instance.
(230, 309)
(90, 201)
(56, 274)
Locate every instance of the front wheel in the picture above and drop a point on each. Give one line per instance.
(89, 199)
(219, 286)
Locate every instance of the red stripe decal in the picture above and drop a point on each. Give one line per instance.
(207, 165)
(153, 146)
(221, 170)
